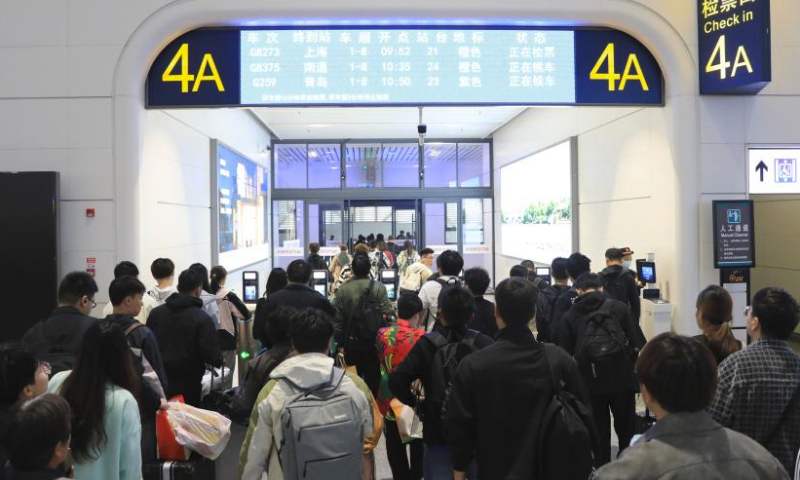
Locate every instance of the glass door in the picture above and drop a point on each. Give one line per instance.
(440, 225)
(326, 226)
(288, 231)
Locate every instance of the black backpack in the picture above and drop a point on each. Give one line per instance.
(367, 319)
(567, 436)
(615, 286)
(602, 351)
(545, 305)
(443, 368)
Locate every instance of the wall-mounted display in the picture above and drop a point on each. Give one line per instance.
(536, 205)
(240, 208)
(404, 66)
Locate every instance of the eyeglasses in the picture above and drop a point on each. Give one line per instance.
(747, 311)
(91, 300)
(45, 367)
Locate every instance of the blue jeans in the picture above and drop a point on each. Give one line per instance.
(438, 464)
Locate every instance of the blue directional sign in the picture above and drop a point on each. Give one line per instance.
(734, 46)
(404, 66)
(734, 234)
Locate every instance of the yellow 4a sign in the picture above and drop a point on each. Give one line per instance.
(613, 67)
(197, 69)
(206, 73)
(734, 46)
(618, 81)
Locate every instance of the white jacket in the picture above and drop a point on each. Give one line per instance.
(308, 370)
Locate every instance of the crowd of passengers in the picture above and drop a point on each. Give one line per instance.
(79, 395)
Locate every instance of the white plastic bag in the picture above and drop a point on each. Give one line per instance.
(202, 431)
(408, 422)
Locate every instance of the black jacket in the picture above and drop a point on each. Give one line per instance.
(188, 341)
(587, 304)
(56, 339)
(294, 295)
(317, 262)
(562, 306)
(624, 288)
(6, 415)
(484, 320)
(418, 365)
(498, 393)
(41, 474)
(258, 371)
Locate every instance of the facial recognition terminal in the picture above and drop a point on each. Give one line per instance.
(543, 273)
(646, 271)
(389, 280)
(250, 285)
(320, 280)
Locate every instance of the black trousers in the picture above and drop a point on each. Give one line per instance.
(623, 406)
(398, 458)
(365, 359)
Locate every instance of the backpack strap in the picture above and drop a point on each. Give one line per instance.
(132, 328)
(784, 416)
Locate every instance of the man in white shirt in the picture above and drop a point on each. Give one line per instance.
(163, 270)
(449, 265)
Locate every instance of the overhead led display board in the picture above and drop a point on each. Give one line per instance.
(734, 46)
(403, 66)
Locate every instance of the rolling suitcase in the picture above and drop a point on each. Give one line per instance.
(196, 468)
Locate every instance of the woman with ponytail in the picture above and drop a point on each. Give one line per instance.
(714, 316)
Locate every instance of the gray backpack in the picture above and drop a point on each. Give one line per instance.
(323, 436)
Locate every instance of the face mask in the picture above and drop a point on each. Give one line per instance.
(626, 263)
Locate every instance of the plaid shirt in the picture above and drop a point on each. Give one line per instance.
(755, 388)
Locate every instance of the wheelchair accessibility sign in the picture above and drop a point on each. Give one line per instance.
(785, 170)
(773, 171)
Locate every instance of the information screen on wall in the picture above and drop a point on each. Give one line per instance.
(241, 204)
(734, 234)
(536, 205)
(404, 66)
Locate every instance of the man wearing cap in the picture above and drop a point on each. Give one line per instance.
(620, 281)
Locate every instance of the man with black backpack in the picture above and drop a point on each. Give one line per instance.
(577, 265)
(500, 406)
(362, 308)
(433, 360)
(620, 282)
(603, 337)
(449, 265)
(547, 299)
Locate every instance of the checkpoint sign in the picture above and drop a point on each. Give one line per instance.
(734, 46)
(773, 171)
(734, 234)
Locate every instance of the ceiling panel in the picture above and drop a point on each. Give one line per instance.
(380, 122)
